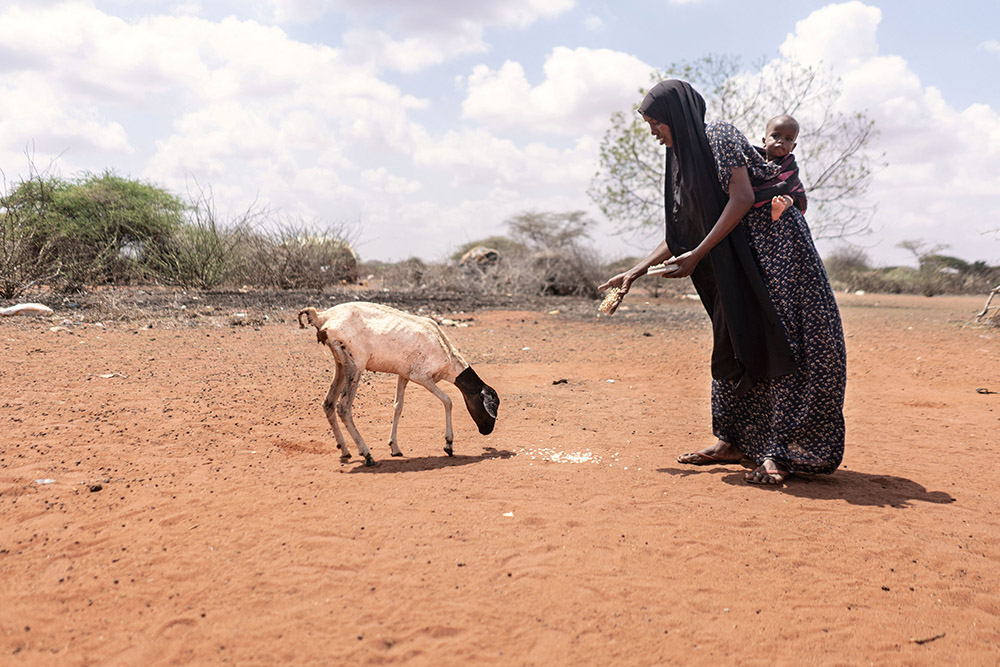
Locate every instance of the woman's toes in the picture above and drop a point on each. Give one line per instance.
(766, 473)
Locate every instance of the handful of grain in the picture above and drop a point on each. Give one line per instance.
(616, 294)
(612, 300)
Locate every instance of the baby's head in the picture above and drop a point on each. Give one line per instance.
(780, 136)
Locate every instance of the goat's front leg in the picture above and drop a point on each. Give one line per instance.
(352, 378)
(330, 408)
(398, 410)
(430, 386)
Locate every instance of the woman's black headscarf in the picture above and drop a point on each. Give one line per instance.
(750, 341)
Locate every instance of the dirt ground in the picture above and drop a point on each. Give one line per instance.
(170, 494)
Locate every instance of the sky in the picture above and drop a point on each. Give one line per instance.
(421, 126)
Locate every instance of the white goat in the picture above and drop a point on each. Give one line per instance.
(369, 336)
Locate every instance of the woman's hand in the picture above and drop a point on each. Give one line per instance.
(622, 281)
(686, 264)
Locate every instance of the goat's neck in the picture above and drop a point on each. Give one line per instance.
(457, 367)
(468, 382)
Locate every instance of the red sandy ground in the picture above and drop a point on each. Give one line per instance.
(225, 528)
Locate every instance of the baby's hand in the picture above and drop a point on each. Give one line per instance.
(779, 204)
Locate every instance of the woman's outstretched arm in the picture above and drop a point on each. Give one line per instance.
(625, 279)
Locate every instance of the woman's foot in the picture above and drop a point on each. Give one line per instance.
(721, 453)
(767, 472)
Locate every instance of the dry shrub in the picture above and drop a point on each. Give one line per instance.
(523, 274)
(117, 305)
(289, 254)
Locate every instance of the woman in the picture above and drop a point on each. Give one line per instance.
(778, 360)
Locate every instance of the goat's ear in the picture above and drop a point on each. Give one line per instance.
(490, 401)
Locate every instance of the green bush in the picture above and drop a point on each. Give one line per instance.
(116, 225)
(96, 229)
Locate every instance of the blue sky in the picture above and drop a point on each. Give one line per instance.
(427, 124)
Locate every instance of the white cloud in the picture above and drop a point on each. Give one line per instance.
(188, 8)
(76, 62)
(437, 17)
(33, 111)
(298, 11)
(992, 46)
(379, 50)
(381, 181)
(943, 161)
(433, 32)
(593, 24)
(477, 157)
(841, 36)
(580, 90)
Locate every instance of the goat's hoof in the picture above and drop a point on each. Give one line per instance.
(345, 457)
(448, 450)
(398, 454)
(369, 461)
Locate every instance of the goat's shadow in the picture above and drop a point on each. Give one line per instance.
(857, 488)
(417, 464)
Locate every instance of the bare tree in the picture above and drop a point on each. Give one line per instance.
(558, 254)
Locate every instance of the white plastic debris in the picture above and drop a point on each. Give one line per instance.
(29, 309)
(45, 481)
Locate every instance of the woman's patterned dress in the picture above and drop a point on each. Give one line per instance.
(797, 420)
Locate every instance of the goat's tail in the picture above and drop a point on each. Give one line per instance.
(316, 321)
(312, 316)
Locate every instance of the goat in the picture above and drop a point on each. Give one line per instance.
(369, 336)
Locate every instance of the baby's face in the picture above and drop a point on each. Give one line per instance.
(780, 139)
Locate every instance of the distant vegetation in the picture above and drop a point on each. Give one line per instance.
(851, 270)
(64, 236)
(69, 235)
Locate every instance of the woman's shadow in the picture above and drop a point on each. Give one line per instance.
(857, 488)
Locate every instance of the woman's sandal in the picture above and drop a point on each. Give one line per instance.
(702, 459)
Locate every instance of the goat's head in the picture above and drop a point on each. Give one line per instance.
(480, 398)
